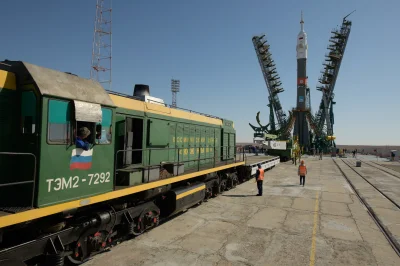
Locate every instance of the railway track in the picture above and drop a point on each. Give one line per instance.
(388, 235)
(376, 166)
(380, 191)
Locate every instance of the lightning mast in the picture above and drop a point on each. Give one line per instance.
(102, 40)
(175, 84)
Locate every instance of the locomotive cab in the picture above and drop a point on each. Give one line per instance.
(19, 138)
(42, 111)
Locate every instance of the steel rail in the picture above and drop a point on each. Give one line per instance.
(367, 163)
(371, 212)
(382, 193)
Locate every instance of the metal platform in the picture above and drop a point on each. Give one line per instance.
(266, 161)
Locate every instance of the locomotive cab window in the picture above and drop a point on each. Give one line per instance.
(89, 126)
(59, 122)
(104, 129)
(88, 117)
(28, 112)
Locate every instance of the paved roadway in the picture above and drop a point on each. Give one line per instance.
(322, 223)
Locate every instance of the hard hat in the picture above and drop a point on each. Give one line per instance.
(302, 161)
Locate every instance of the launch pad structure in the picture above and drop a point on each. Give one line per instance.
(311, 132)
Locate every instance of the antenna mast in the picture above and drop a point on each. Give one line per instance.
(101, 54)
(175, 84)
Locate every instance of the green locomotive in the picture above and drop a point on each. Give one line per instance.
(144, 161)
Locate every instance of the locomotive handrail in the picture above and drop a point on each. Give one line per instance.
(179, 161)
(23, 182)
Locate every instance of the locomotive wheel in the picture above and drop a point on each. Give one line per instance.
(208, 194)
(215, 189)
(149, 218)
(222, 186)
(235, 181)
(73, 261)
(94, 244)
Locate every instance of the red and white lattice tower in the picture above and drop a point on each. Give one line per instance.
(101, 53)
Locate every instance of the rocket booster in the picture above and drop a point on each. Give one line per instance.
(301, 49)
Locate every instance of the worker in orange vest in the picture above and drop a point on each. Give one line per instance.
(260, 178)
(302, 172)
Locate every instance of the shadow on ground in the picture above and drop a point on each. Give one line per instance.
(239, 196)
(292, 185)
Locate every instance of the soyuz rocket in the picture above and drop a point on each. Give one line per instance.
(302, 105)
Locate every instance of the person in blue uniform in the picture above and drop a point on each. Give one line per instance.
(81, 142)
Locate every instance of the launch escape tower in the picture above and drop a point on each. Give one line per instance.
(312, 131)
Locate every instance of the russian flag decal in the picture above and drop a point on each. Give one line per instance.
(81, 159)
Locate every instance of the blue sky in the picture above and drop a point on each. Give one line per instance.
(207, 45)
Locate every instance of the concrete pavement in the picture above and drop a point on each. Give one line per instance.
(322, 223)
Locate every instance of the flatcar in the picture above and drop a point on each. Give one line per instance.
(82, 168)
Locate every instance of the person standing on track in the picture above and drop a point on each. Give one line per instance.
(302, 172)
(259, 179)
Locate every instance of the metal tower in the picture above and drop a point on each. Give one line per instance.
(101, 53)
(175, 84)
(332, 63)
(271, 78)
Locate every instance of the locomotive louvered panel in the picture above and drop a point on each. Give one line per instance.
(212, 145)
(217, 143)
(179, 142)
(225, 145)
(198, 142)
(231, 145)
(209, 145)
(186, 138)
(203, 145)
(191, 142)
(172, 142)
(205, 151)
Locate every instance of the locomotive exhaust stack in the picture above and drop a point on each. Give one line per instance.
(142, 92)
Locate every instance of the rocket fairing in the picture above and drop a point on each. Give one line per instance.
(302, 46)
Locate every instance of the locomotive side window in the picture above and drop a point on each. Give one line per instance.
(28, 112)
(104, 129)
(59, 122)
